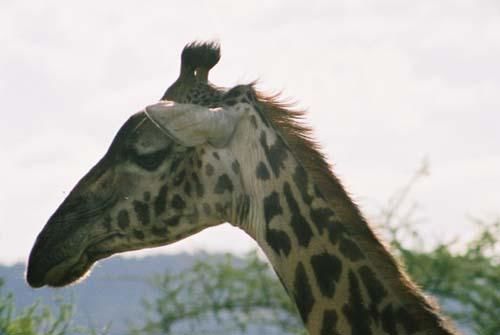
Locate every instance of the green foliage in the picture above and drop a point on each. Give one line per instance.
(220, 296)
(461, 272)
(469, 277)
(37, 319)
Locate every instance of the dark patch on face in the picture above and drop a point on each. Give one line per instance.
(407, 321)
(302, 293)
(187, 188)
(159, 231)
(375, 289)
(138, 234)
(262, 171)
(142, 211)
(276, 154)
(216, 155)
(388, 321)
(327, 269)
(150, 161)
(329, 322)
(200, 189)
(198, 163)
(147, 196)
(323, 219)
(123, 219)
(243, 208)
(230, 102)
(355, 310)
(350, 249)
(178, 203)
(180, 178)
(300, 179)
(206, 209)
(160, 202)
(299, 224)
(236, 167)
(253, 120)
(209, 169)
(172, 221)
(223, 184)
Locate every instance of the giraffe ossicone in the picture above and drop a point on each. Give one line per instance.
(204, 155)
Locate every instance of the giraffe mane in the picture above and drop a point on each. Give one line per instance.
(289, 122)
(299, 136)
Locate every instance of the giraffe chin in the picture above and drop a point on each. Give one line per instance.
(62, 275)
(77, 268)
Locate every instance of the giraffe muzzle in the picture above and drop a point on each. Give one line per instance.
(61, 268)
(63, 249)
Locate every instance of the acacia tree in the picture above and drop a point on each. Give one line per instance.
(229, 295)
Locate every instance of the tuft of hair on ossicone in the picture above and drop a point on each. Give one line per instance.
(198, 58)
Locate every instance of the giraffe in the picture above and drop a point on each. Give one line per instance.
(205, 155)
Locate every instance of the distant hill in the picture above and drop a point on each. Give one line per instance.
(112, 293)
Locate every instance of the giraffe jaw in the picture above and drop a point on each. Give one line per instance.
(72, 269)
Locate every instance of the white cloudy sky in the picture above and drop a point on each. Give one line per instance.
(386, 83)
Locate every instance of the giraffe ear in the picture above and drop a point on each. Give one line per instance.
(192, 125)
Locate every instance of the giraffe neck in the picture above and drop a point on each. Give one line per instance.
(327, 267)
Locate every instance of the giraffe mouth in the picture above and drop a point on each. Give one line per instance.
(72, 269)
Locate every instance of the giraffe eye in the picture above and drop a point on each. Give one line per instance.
(150, 161)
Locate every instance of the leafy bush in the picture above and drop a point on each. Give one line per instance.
(463, 275)
(37, 319)
(468, 279)
(220, 296)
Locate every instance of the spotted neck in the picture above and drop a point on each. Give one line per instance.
(327, 267)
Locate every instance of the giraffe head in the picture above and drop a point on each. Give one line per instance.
(166, 175)
(163, 178)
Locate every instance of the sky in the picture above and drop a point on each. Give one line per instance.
(387, 85)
